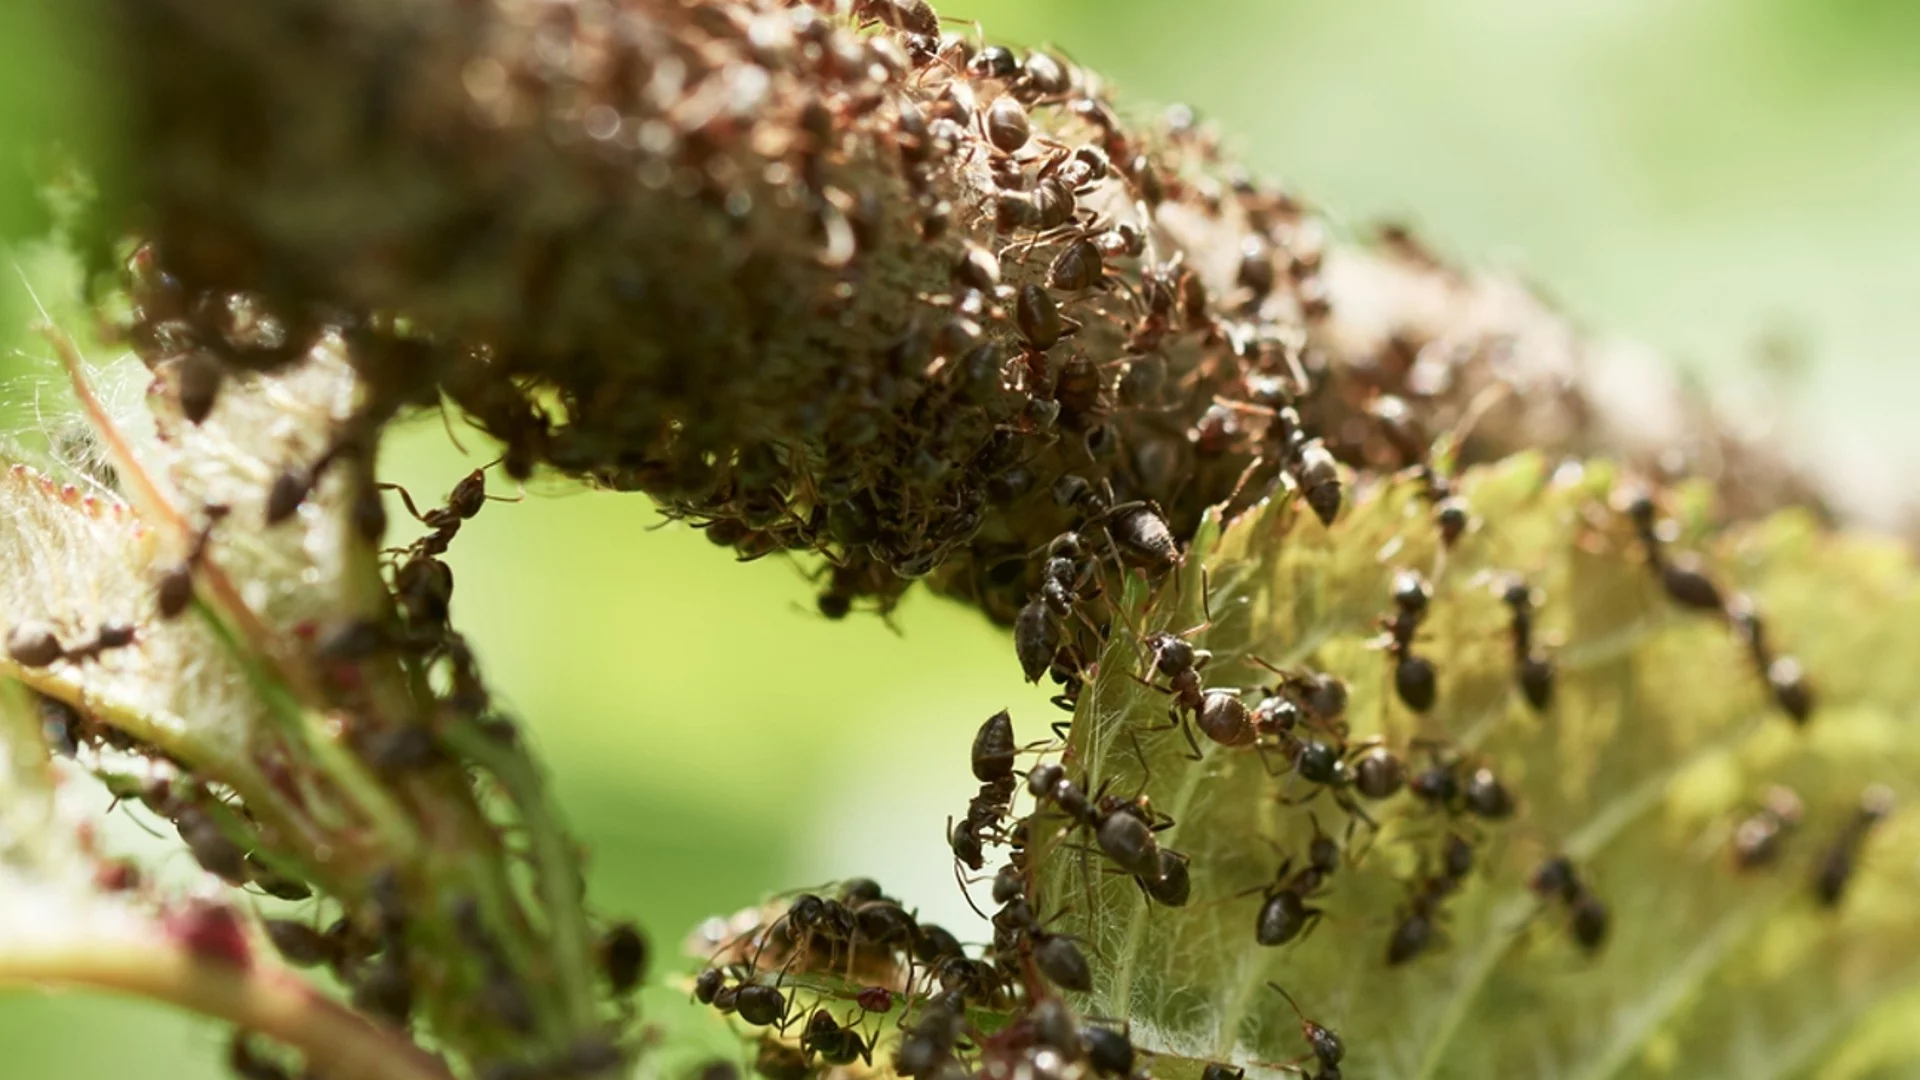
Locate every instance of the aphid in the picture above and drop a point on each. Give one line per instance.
(1836, 864)
(1322, 1041)
(1533, 671)
(1757, 838)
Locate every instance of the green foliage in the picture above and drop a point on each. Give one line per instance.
(1660, 738)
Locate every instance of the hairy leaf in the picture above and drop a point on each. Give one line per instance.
(1660, 738)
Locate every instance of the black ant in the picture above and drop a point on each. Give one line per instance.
(1420, 915)
(1556, 879)
(1836, 865)
(1682, 579)
(1218, 713)
(836, 1045)
(1123, 828)
(1757, 839)
(1284, 913)
(1110, 1052)
(1532, 669)
(34, 644)
(1785, 680)
(1307, 460)
(1447, 785)
(623, 957)
(1137, 529)
(1056, 955)
(1321, 1040)
(1413, 676)
(930, 1043)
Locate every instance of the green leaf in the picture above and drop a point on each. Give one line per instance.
(1660, 738)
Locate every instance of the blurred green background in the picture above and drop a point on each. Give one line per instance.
(1706, 176)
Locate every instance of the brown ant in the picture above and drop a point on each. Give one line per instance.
(1533, 670)
(1325, 1044)
(463, 502)
(1836, 865)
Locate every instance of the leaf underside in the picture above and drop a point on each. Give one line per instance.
(1659, 739)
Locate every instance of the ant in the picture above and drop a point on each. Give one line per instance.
(1056, 955)
(1447, 786)
(1064, 578)
(1123, 828)
(1757, 839)
(1532, 669)
(623, 957)
(1836, 865)
(836, 1045)
(463, 502)
(1682, 579)
(1413, 676)
(1421, 913)
(1284, 913)
(1321, 1040)
(175, 589)
(34, 644)
(1785, 680)
(1307, 460)
(1136, 528)
(1218, 713)
(1557, 879)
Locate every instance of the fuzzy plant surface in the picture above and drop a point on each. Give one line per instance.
(1437, 666)
(1657, 763)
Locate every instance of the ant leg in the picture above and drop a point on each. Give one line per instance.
(404, 498)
